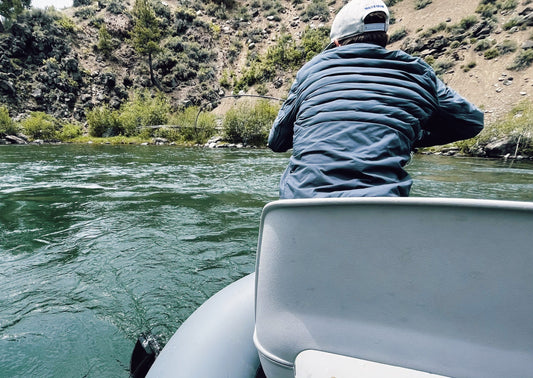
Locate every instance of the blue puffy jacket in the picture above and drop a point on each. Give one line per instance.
(353, 116)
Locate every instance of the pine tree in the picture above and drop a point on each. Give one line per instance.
(146, 34)
(10, 9)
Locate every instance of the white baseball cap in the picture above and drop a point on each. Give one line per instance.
(350, 21)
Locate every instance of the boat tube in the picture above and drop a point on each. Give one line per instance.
(216, 340)
(372, 287)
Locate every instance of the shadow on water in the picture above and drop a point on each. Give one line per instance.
(100, 243)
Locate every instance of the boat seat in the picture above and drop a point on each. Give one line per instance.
(442, 286)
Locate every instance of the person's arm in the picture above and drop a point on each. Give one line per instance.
(455, 119)
(280, 137)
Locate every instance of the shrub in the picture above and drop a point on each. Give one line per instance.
(511, 23)
(483, 45)
(40, 125)
(506, 47)
(398, 35)
(67, 24)
(469, 66)
(7, 126)
(143, 110)
(486, 10)
(116, 7)
(420, 4)
(441, 65)
(103, 122)
(316, 8)
(509, 4)
(250, 125)
(70, 131)
(518, 124)
(105, 45)
(491, 54)
(523, 60)
(286, 54)
(194, 125)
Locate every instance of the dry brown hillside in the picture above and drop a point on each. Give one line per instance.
(206, 43)
(490, 84)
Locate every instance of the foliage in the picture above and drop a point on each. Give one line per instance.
(518, 124)
(523, 60)
(249, 125)
(116, 7)
(507, 46)
(420, 4)
(146, 35)
(316, 8)
(70, 131)
(7, 125)
(463, 25)
(10, 9)
(67, 24)
(105, 44)
(491, 53)
(40, 125)
(441, 65)
(286, 54)
(398, 35)
(483, 45)
(143, 110)
(467, 67)
(79, 3)
(193, 124)
(103, 122)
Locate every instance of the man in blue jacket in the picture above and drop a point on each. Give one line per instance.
(356, 111)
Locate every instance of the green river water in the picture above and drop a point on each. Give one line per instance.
(100, 243)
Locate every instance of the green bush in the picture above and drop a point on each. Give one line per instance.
(420, 4)
(469, 66)
(40, 125)
(441, 65)
(508, 4)
(143, 110)
(486, 10)
(523, 60)
(285, 54)
(398, 35)
(483, 45)
(103, 122)
(193, 125)
(316, 8)
(491, 54)
(7, 126)
(70, 131)
(518, 124)
(249, 125)
(506, 47)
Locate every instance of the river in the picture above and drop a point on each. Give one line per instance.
(100, 243)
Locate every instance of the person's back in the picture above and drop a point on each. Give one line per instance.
(356, 111)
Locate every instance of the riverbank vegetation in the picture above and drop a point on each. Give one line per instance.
(147, 71)
(147, 119)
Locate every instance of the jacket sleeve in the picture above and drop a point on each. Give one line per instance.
(454, 119)
(280, 137)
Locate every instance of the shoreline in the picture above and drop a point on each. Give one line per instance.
(219, 143)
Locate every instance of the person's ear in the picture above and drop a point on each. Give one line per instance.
(336, 42)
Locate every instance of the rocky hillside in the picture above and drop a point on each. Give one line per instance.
(64, 63)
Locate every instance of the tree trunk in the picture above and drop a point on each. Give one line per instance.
(155, 82)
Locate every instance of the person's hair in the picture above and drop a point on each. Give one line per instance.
(380, 38)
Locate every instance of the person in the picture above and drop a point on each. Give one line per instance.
(357, 110)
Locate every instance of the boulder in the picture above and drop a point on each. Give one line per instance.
(501, 147)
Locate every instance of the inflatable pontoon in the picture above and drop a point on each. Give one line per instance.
(371, 287)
